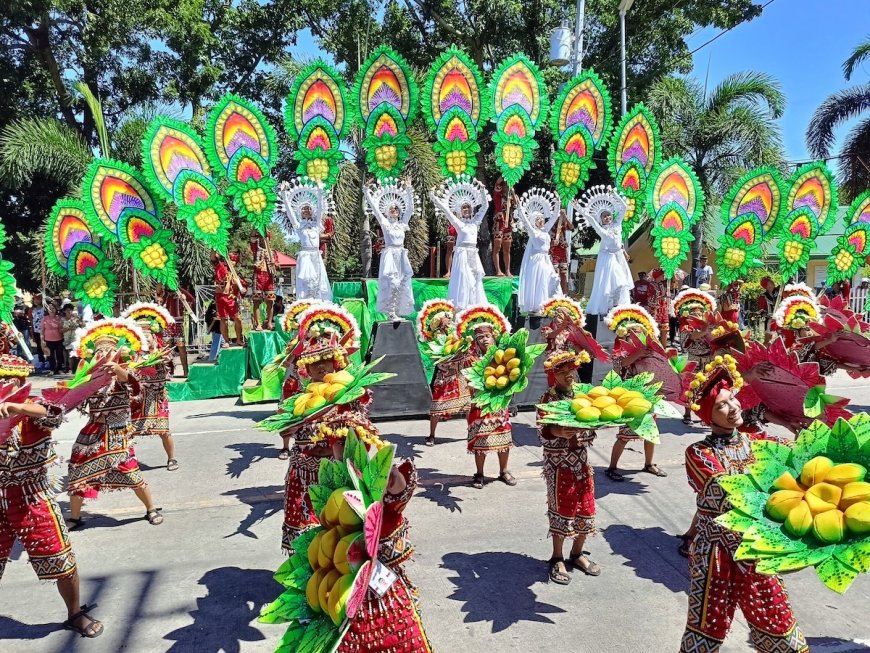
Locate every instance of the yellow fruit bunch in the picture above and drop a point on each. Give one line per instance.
(512, 155)
(318, 393)
(721, 330)
(335, 554)
(832, 501)
(843, 260)
(569, 173)
(457, 162)
(792, 251)
(254, 200)
(154, 256)
(734, 257)
(603, 404)
(670, 247)
(386, 157)
(507, 369)
(317, 169)
(96, 287)
(208, 221)
(453, 344)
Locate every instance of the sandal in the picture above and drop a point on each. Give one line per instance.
(284, 454)
(154, 517)
(75, 524)
(557, 575)
(92, 630)
(171, 465)
(687, 421)
(591, 569)
(654, 470)
(614, 475)
(430, 441)
(477, 481)
(507, 478)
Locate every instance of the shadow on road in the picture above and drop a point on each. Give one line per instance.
(223, 617)
(496, 587)
(238, 416)
(652, 553)
(13, 629)
(525, 435)
(835, 645)
(406, 445)
(604, 486)
(248, 454)
(438, 488)
(261, 507)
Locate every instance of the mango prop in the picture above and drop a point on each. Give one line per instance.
(514, 374)
(815, 470)
(817, 504)
(845, 473)
(580, 402)
(636, 408)
(311, 590)
(598, 391)
(339, 595)
(826, 492)
(854, 493)
(325, 585)
(588, 414)
(501, 382)
(780, 503)
(603, 401)
(347, 517)
(330, 513)
(350, 553)
(799, 520)
(858, 518)
(611, 412)
(830, 526)
(513, 364)
(313, 550)
(787, 482)
(327, 547)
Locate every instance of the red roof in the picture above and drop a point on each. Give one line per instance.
(284, 261)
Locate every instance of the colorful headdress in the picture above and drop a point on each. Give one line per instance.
(385, 103)
(242, 147)
(118, 333)
(481, 317)
(316, 118)
(810, 211)
(796, 312)
(690, 299)
(719, 374)
(290, 319)
(303, 192)
(797, 290)
(519, 108)
(852, 248)
(750, 212)
(455, 106)
(177, 169)
(598, 200)
(634, 153)
(552, 306)
(433, 312)
(676, 202)
(14, 367)
(621, 319)
(580, 123)
(327, 332)
(566, 358)
(72, 249)
(155, 316)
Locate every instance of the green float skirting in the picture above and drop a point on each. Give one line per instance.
(206, 381)
(263, 347)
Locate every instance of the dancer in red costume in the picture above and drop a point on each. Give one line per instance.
(174, 303)
(502, 227)
(264, 281)
(729, 301)
(719, 584)
(561, 236)
(227, 294)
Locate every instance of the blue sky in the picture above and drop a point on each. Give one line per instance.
(802, 43)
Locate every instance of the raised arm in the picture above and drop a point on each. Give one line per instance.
(482, 209)
(445, 209)
(520, 214)
(592, 222)
(548, 226)
(292, 218)
(373, 205)
(409, 205)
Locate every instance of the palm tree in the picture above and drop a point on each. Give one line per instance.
(842, 107)
(720, 134)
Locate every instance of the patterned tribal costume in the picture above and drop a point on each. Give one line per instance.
(719, 584)
(102, 457)
(174, 334)
(625, 372)
(264, 280)
(451, 395)
(697, 350)
(153, 417)
(730, 303)
(569, 476)
(28, 510)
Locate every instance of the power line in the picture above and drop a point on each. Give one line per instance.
(725, 31)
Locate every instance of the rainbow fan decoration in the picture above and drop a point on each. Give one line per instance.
(385, 101)
(519, 108)
(859, 210)
(633, 155)
(470, 318)
(810, 212)
(551, 307)
(851, 250)
(177, 169)
(739, 248)
(316, 118)
(242, 146)
(455, 104)
(675, 199)
(149, 246)
(72, 249)
(155, 315)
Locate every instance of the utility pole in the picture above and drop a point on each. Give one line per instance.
(624, 6)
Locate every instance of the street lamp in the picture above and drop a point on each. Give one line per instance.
(624, 6)
(560, 41)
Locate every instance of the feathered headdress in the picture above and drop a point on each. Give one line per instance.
(326, 332)
(290, 318)
(552, 306)
(621, 319)
(690, 299)
(117, 333)
(477, 317)
(155, 316)
(796, 312)
(433, 313)
(797, 289)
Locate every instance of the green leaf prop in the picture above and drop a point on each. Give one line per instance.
(91, 278)
(850, 253)
(7, 291)
(633, 155)
(149, 246)
(739, 249)
(831, 463)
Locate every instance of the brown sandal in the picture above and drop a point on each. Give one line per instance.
(154, 517)
(92, 630)
(556, 575)
(591, 569)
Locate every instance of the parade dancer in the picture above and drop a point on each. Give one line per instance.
(569, 476)
(28, 508)
(560, 239)
(502, 228)
(327, 234)
(177, 304)
(304, 205)
(264, 280)
(464, 204)
(622, 320)
(718, 583)
(691, 307)
(152, 419)
(537, 212)
(729, 301)
(392, 205)
(228, 288)
(102, 458)
(603, 209)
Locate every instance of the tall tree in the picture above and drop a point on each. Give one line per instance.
(722, 133)
(842, 107)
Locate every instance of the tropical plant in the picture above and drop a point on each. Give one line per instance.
(720, 133)
(842, 108)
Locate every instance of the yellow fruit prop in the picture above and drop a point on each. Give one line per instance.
(319, 393)
(609, 404)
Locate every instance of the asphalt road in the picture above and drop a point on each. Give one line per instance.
(195, 584)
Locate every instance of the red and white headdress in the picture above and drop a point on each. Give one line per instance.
(719, 374)
(801, 289)
(115, 333)
(552, 307)
(290, 317)
(691, 299)
(433, 314)
(326, 332)
(152, 316)
(622, 318)
(797, 312)
(481, 317)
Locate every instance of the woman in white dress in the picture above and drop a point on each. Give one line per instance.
(537, 212)
(393, 205)
(603, 210)
(464, 203)
(304, 203)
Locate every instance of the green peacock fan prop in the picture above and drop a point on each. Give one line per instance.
(7, 291)
(850, 252)
(580, 122)
(676, 202)
(633, 155)
(177, 169)
(242, 146)
(121, 206)
(316, 117)
(455, 105)
(385, 101)
(810, 211)
(806, 505)
(519, 108)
